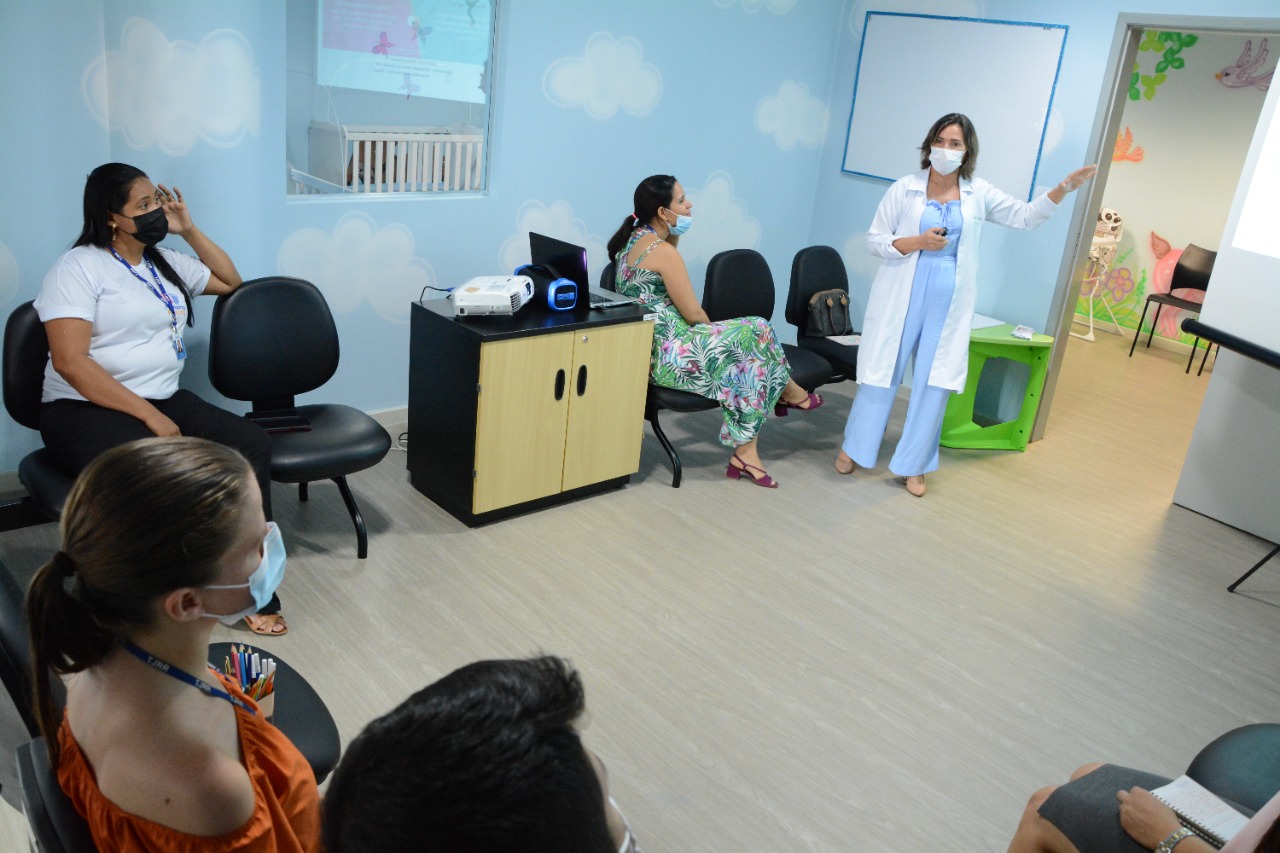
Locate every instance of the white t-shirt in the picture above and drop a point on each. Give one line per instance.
(132, 337)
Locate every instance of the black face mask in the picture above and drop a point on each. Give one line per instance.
(152, 227)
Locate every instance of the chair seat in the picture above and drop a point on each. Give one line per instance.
(47, 484)
(1176, 301)
(808, 369)
(342, 440)
(843, 358)
(680, 401)
(1242, 765)
(300, 714)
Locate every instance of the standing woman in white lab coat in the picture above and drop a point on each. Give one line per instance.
(927, 230)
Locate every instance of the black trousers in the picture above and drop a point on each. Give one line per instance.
(76, 432)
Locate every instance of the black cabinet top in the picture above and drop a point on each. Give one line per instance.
(531, 320)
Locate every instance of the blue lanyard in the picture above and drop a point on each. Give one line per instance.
(182, 675)
(161, 294)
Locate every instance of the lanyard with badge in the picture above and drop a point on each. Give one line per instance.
(182, 675)
(163, 295)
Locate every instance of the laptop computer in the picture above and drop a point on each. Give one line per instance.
(571, 262)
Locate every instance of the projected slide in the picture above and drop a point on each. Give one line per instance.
(416, 48)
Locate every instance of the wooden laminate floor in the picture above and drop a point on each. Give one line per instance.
(835, 665)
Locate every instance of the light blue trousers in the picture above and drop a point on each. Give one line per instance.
(917, 450)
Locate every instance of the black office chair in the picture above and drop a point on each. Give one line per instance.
(739, 284)
(658, 398)
(26, 352)
(272, 339)
(55, 824)
(299, 711)
(1190, 273)
(813, 270)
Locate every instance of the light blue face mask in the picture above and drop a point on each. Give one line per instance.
(682, 223)
(265, 579)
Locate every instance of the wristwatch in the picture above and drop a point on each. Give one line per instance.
(1169, 843)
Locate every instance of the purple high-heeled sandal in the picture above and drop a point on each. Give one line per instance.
(813, 401)
(733, 472)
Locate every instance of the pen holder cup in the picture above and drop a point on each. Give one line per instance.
(267, 705)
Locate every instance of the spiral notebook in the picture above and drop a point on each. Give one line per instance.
(1201, 810)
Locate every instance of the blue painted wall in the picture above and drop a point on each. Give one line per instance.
(744, 100)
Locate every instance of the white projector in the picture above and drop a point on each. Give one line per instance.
(492, 294)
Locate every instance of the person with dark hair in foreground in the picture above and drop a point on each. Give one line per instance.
(1106, 808)
(485, 760)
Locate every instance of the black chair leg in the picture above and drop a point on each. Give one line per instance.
(1137, 333)
(302, 491)
(1192, 359)
(362, 536)
(1256, 566)
(666, 445)
(1155, 321)
(1205, 360)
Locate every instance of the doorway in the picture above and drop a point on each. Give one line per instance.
(1180, 103)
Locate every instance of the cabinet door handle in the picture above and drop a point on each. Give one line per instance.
(560, 384)
(582, 379)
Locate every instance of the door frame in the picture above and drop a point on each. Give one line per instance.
(1106, 127)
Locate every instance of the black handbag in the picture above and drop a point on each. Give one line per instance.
(828, 314)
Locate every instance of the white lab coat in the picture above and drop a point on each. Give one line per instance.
(899, 216)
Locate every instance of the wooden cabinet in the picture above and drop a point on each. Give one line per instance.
(509, 414)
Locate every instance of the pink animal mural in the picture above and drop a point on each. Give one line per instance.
(1248, 69)
(1161, 278)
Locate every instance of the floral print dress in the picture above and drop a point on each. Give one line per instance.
(738, 363)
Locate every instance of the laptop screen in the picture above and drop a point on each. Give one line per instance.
(569, 260)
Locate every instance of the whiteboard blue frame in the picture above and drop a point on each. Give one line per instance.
(936, 86)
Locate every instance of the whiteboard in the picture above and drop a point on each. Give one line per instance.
(913, 69)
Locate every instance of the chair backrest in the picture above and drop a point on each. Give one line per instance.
(813, 269)
(55, 824)
(15, 654)
(1193, 269)
(271, 339)
(738, 284)
(609, 277)
(26, 352)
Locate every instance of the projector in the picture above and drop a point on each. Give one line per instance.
(492, 294)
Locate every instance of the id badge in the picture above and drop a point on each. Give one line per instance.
(179, 349)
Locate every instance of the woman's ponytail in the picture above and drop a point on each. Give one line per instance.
(64, 638)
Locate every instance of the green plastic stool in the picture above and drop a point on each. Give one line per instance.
(969, 422)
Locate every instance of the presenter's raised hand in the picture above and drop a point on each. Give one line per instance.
(1076, 179)
(1072, 182)
(175, 210)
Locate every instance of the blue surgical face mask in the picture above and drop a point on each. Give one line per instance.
(682, 223)
(265, 579)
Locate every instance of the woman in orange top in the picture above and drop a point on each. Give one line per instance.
(156, 750)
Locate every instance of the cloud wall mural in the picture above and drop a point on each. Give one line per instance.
(359, 261)
(172, 94)
(792, 117)
(720, 220)
(610, 75)
(554, 220)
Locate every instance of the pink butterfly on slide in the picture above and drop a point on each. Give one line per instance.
(382, 45)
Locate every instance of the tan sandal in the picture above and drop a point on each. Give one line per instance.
(840, 469)
(267, 624)
(915, 485)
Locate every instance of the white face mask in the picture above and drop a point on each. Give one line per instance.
(945, 160)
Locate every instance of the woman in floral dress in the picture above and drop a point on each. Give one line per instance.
(737, 362)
